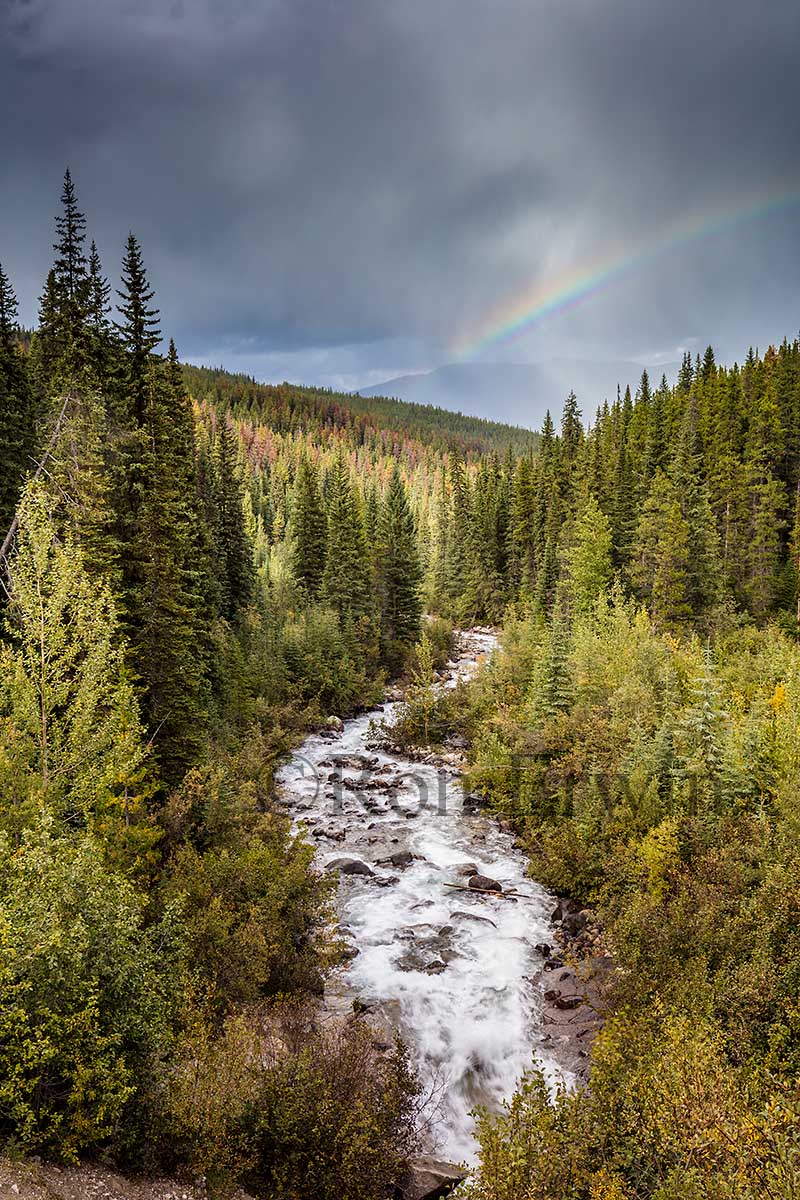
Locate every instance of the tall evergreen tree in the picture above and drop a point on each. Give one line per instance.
(233, 548)
(138, 332)
(309, 529)
(399, 569)
(346, 580)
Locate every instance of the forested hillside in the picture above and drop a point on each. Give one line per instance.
(196, 568)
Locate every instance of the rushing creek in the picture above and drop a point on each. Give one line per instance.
(455, 972)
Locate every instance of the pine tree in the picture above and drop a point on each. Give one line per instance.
(138, 332)
(70, 264)
(399, 569)
(309, 529)
(522, 551)
(547, 567)
(62, 339)
(346, 580)
(458, 532)
(236, 573)
(482, 597)
(552, 692)
(442, 544)
(571, 436)
(169, 635)
(97, 315)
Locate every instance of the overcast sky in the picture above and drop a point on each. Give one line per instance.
(338, 191)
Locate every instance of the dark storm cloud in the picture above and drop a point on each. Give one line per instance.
(340, 188)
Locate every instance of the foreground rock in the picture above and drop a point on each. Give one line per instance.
(350, 866)
(428, 1179)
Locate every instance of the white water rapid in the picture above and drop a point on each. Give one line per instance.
(455, 972)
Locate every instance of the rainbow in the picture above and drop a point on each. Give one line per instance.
(551, 296)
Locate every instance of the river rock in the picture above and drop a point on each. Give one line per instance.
(484, 883)
(464, 870)
(335, 724)
(543, 949)
(459, 915)
(428, 1178)
(574, 923)
(350, 866)
(473, 803)
(400, 859)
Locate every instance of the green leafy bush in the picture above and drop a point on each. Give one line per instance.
(295, 1110)
(86, 995)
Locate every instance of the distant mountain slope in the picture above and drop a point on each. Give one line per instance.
(287, 407)
(518, 393)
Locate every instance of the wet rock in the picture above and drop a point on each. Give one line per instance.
(435, 968)
(400, 859)
(385, 880)
(350, 866)
(473, 803)
(428, 1178)
(552, 964)
(464, 870)
(334, 724)
(543, 949)
(568, 1002)
(484, 883)
(459, 915)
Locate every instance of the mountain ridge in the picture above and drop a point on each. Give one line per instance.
(518, 393)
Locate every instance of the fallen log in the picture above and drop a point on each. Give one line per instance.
(460, 887)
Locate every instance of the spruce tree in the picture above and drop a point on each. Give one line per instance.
(98, 322)
(62, 337)
(458, 530)
(346, 580)
(309, 529)
(571, 436)
(169, 635)
(237, 575)
(138, 332)
(70, 265)
(522, 550)
(399, 570)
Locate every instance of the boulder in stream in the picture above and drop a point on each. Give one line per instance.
(460, 915)
(483, 883)
(464, 870)
(428, 1178)
(349, 866)
(400, 859)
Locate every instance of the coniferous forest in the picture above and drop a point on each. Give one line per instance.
(198, 568)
